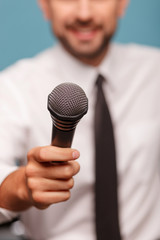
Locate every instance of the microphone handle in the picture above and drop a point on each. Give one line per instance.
(61, 138)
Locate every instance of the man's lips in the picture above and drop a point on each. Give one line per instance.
(84, 34)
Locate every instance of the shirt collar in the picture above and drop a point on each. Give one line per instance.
(106, 68)
(82, 74)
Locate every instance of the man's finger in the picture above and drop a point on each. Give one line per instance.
(47, 198)
(49, 171)
(51, 153)
(43, 184)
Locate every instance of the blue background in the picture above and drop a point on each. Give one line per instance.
(23, 32)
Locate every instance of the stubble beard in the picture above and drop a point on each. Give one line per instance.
(87, 55)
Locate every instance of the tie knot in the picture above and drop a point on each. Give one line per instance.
(100, 80)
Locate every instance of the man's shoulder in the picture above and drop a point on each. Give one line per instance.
(36, 64)
(137, 58)
(136, 52)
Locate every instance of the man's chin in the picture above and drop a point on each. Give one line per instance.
(87, 51)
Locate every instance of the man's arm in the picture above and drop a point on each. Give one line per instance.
(40, 183)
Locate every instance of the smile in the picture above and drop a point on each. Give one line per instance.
(84, 34)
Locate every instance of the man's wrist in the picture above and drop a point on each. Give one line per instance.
(14, 194)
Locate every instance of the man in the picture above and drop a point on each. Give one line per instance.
(84, 29)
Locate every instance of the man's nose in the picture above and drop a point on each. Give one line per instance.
(84, 10)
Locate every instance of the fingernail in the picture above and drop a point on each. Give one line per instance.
(75, 154)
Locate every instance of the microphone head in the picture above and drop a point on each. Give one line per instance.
(67, 102)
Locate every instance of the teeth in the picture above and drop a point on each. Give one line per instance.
(85, 33)
(85, 30)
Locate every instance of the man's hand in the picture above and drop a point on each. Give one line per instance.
(47, 182)
(41, 182)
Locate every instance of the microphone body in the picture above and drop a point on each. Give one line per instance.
(67, 104)
(62, 138)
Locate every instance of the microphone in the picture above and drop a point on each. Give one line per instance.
(67, 104)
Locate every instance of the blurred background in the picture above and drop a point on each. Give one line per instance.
(24, 33)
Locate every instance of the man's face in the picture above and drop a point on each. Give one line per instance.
(84, 27)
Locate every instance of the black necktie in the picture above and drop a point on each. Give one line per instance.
(107, 223)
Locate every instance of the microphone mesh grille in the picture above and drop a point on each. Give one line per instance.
(68, 101)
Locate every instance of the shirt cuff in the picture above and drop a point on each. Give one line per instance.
(7, 215)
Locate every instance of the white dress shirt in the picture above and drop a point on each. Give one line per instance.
(133, 94)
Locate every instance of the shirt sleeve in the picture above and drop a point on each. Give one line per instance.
(6, 215)
(12, 133)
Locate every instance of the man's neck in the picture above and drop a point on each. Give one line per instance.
(94, 61)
